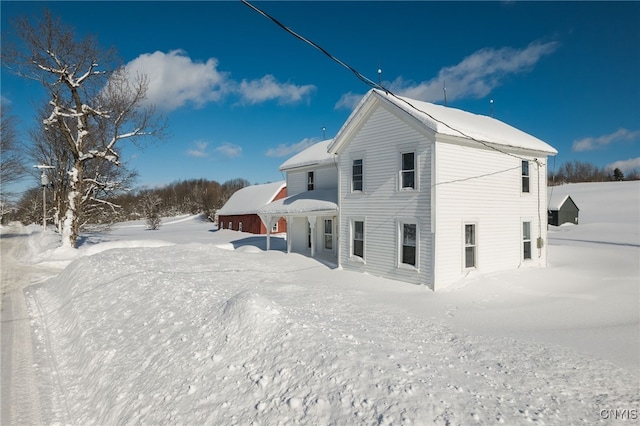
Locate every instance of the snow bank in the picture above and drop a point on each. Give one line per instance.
(196, 334)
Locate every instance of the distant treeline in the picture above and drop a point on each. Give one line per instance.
(579, 171)
(183, 197)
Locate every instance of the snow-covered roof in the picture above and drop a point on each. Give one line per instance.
(557, 200)
(453, 122)
(250, 198)
(316, 154)
(319, 200)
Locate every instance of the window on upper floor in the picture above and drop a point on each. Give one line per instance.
(356, 175)
(525, 176)
(408, 170)
(309, 181)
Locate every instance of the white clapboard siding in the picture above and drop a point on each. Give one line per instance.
(325, 177)
(379, 143)
(483, 186)
(298, 227)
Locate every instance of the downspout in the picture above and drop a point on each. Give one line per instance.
(433, 214)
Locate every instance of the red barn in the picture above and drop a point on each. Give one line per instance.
(240, 212)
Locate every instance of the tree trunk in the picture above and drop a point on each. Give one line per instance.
(71, 223)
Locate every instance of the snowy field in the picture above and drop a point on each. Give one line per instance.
(191, 325)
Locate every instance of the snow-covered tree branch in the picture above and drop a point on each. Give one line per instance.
(94, 106)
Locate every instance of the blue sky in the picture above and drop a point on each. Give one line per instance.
(241, 95)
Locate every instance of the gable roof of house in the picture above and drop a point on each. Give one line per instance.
(556, 201)
(250, 198)
(316, 154)
(448, 121)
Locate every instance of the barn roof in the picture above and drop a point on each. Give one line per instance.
(250, 198)
(314, 155)
(556, 201)
(449, 121)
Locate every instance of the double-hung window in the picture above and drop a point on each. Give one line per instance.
(408, 170)
(274, 228)
(356, 175)
(526, 240)
(358, 239)
(309, 181)
(525, 176)
(328, 234)
(470, 245)
(409, 239)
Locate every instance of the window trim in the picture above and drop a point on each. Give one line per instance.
(274, 228)
(325, 235)
(465, 246)
(400, 248)
(525, 177)
(230, 225)
(353, 160)
(239, 226)
(401, 152)
(310, 180)
(525, 241)
(352, 230)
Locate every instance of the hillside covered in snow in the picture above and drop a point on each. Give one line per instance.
(193, 325)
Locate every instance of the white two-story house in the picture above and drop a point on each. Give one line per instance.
(428, 194)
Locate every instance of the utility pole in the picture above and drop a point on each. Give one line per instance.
(44, 181)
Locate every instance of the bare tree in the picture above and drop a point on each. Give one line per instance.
(93, 111)
(12, 167)
(151, 208)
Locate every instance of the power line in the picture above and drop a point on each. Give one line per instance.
(373, 84)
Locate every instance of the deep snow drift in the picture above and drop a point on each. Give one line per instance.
(190, 325)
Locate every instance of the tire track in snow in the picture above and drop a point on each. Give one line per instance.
(59, 397)
(20, 397)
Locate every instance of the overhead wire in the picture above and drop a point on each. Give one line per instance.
(372, 83)
(388, 91)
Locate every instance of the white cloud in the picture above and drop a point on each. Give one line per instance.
(284, 150)
(268, 88)
(591, 143)
(200, 150)
(229, 150)
(349, 100)
(175, 79)
(632, 164)
(476, 76)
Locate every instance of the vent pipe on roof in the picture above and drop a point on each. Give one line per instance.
(444, 88)
(491, 110)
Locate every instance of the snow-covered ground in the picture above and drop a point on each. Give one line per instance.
(191, 325)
